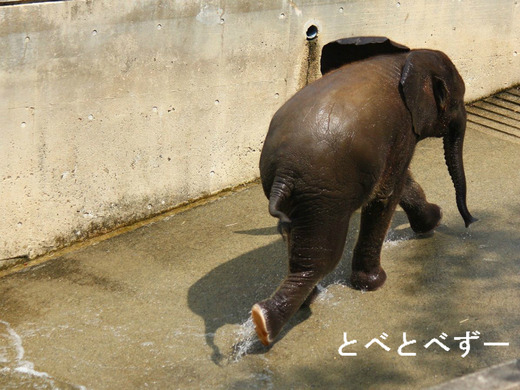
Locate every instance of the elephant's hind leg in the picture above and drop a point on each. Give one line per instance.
(315, 246)
(423, 216)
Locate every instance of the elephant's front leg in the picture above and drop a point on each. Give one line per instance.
(315, 244)
(376, 216)
(423, 216)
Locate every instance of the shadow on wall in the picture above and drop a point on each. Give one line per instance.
(226, 294)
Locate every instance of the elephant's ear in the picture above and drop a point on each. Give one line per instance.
(344, 51)
(425, 91)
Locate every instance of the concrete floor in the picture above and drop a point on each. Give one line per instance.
(167, 305)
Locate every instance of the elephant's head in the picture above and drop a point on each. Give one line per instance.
(433, 91)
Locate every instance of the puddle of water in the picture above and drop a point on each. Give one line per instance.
(264, 379)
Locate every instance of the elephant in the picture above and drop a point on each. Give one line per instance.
(345, 142)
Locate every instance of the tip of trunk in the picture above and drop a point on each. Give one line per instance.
(468, 221)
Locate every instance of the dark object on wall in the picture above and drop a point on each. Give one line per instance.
(347, 50)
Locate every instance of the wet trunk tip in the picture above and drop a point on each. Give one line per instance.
(469, 220)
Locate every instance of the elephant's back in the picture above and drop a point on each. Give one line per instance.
(334, 127)
(337, 102)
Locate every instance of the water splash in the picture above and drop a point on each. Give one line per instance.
(13, 365)
(396, 237)
(14, 344)
(247, 341)
(326, 296)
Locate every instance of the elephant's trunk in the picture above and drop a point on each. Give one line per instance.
(453, 145)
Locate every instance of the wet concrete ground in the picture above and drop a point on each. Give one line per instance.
(167, 305)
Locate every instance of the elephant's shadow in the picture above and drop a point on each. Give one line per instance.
(226, 294)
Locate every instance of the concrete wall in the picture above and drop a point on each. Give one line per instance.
(115, 110)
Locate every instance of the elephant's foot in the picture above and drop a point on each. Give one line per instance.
(429, 219)
(260, 324)
(368, 281)
(267, 326)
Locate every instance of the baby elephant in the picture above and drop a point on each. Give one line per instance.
(345, 142)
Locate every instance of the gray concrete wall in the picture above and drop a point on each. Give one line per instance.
(115, 110)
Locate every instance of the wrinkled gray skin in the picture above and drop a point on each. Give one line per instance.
(345, 142)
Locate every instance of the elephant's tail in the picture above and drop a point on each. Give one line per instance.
(278, 197)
